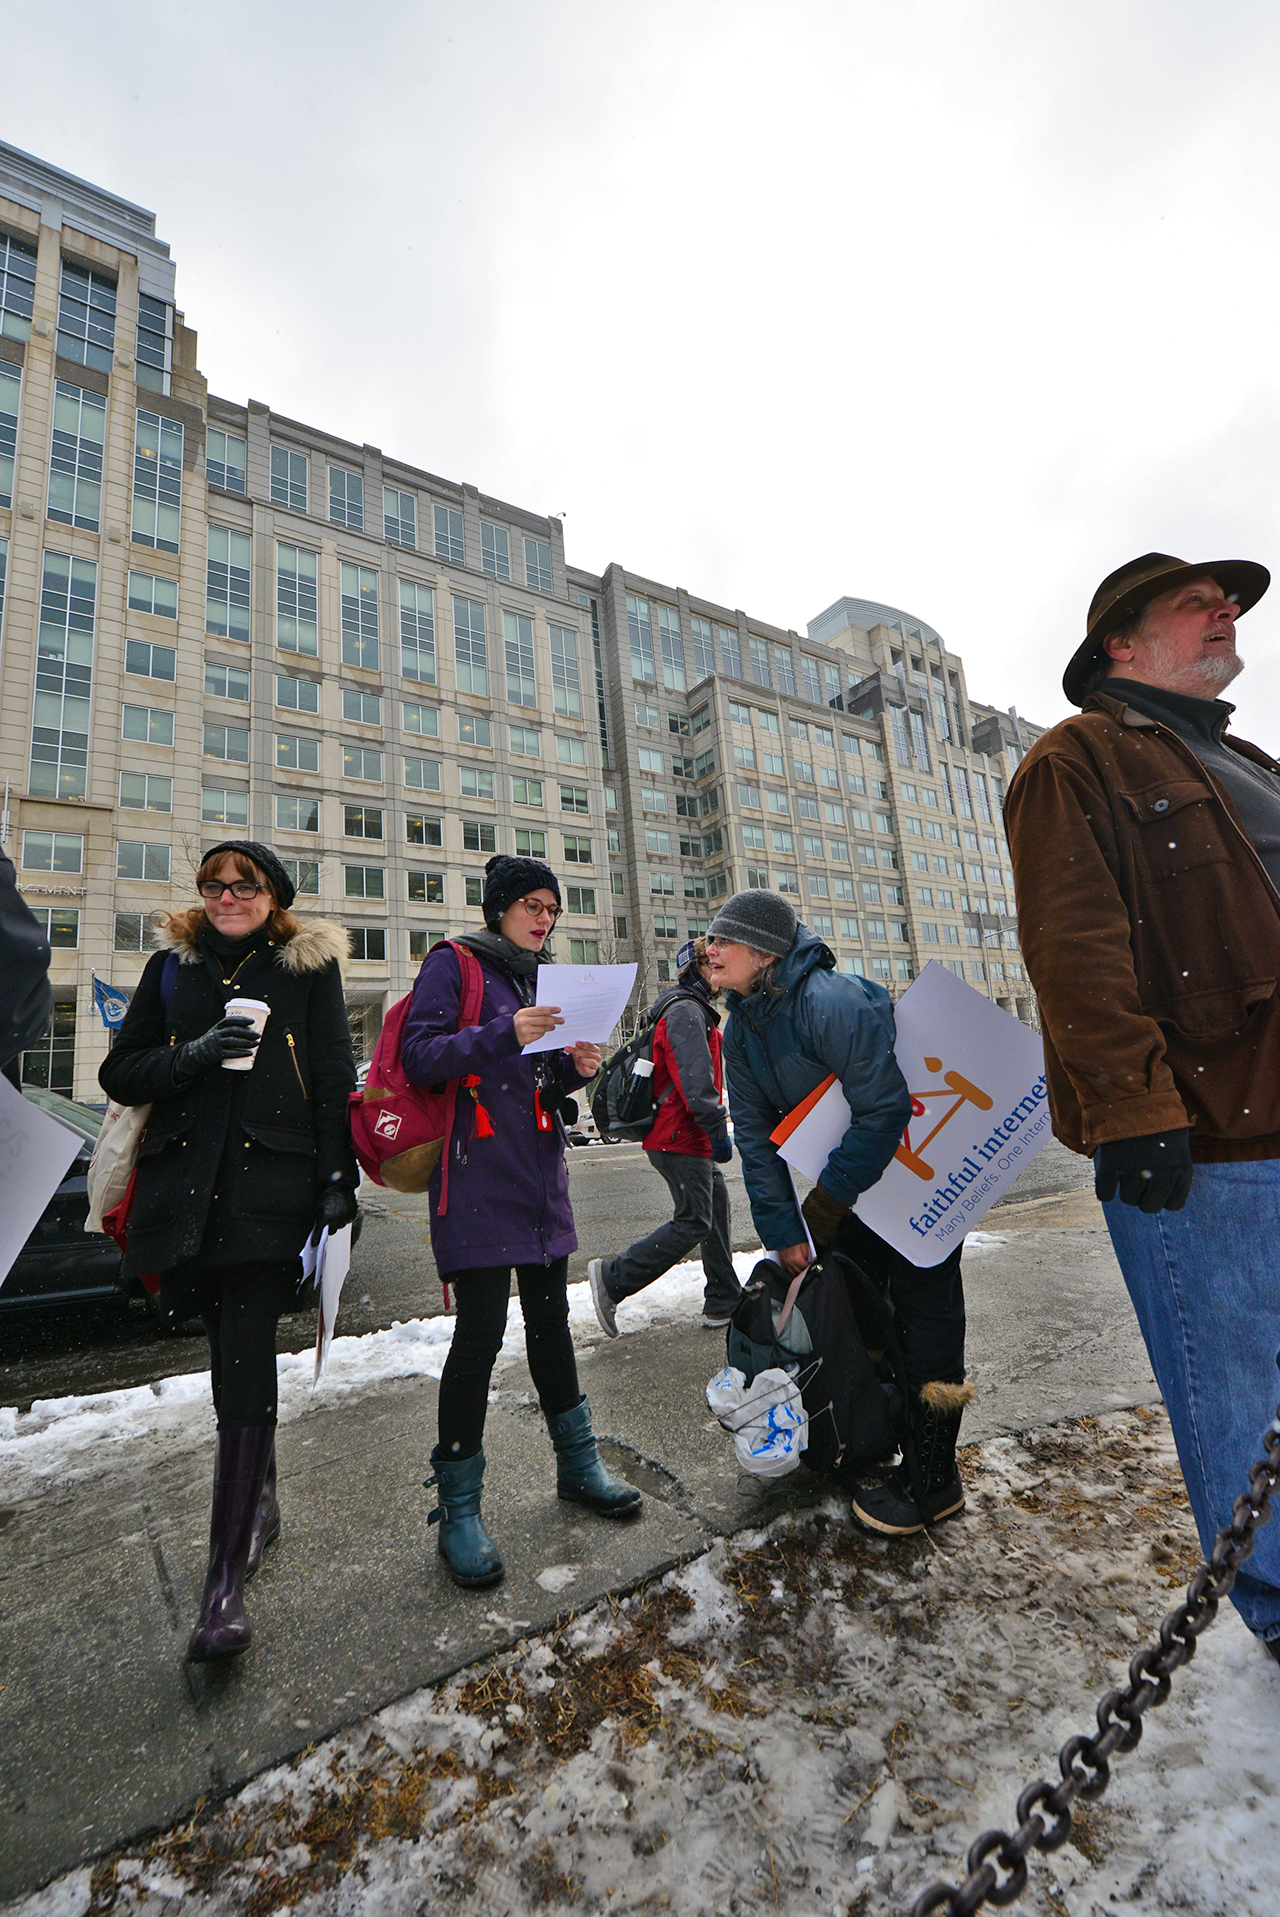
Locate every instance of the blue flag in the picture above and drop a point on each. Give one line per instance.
(112, 1003)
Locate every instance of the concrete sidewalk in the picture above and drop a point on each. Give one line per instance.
(105, 1732)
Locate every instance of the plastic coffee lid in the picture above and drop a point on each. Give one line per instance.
(248, 1004)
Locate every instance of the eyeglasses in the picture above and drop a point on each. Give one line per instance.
(537, 907)
(243, 889)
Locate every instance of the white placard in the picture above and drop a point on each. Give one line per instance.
(35, 1152)
(592, 999)
(979, 1116)
(328, 1264)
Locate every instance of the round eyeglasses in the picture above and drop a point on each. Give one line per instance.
(537, 907)
(243, 889)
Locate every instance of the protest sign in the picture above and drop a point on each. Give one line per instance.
(979, 1116)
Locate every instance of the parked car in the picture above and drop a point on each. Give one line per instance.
(61, 1263)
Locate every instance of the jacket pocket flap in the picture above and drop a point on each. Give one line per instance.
(279, 1138)
(1152, 803)
(1213, 1014)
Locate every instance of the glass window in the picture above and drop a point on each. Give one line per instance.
(470, 646)
(219, 807)
(363, 881)
(423, 775)
(226, 682)
(672, 644)
(157, 482)
(368, 942)
(359, 595)
(147, 723)
(730, 650)
(767, 721)
(297, 754)
(537, 564)
(297, 626)
(704, 652)
(587, 951)
(475, 783)
(64, 675)
(10, 388)
(526, 791)
(227, 584)
(647, 715)
(577, 851)
(566, 689)
(150, 662)
(146, 792)
(399, 517)
(153, 352)
(649, 761)
(657, 842)
(810, 679)
(156, 596)
(362, 708)
(421, 719)
(362, 821)
(518, 634)
(448, 531)
(52, 852)
(425, 888)
(87, 317)
(225, 460)
(289, 478)
(423, 828)
(478, 837)
(346, 498)
(474, 730)
(297, 815)
(526, 740)
(135, 859)
(75, 461)
(130, 936)
(417, 632)
(641, 635)
(305, 874)
(361, 762)
(299, 695)
(495, 551)
(474, 889)
(573, 798)
(574, 752)
(530, 844)
(17, 286)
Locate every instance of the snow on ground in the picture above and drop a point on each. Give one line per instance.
(803, 1721)
(70, 1439)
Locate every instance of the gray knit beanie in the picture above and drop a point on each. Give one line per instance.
(762, 920)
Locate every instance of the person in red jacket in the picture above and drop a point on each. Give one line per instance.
(688, 1144)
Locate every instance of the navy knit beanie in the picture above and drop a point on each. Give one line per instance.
(507, 879)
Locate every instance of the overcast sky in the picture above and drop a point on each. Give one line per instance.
(952, 305)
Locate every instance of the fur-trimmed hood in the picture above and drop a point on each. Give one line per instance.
(315, 944)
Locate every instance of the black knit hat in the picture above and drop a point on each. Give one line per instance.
(762, 920)
(267, 863)
(507, 879)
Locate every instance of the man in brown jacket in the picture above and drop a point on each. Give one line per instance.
(1146, 854)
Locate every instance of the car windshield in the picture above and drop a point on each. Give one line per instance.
(66, 1111)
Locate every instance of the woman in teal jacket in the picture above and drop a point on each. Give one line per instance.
(794, 1020)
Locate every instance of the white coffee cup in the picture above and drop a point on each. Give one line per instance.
(251, 1008)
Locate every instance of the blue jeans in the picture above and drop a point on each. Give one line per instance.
(1205, 1283)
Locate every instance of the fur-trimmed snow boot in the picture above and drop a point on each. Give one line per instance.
(470, 1554)
(925, 1487)
(580, 1474)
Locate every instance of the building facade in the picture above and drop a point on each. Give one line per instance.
(217, 622)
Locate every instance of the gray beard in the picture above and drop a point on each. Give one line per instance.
(1203, 680)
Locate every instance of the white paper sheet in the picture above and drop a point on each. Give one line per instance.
(979, 1115)
(327, 1264)
(35, 1151)
(591, 997)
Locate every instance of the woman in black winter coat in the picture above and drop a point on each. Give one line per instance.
(237, 1167)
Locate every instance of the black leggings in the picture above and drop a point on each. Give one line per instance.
(483, 1296)
(928, 1304)
(238, 1307)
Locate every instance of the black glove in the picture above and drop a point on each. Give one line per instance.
(824, 1215)
(229, 1038)
(722, 1150)
(337, 1208)
(1153, 1173)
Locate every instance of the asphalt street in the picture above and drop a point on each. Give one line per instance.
(617, 1197)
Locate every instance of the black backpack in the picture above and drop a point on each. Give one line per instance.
(622, 1104)
(846, 1378)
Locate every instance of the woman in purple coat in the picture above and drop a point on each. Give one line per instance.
(508, 1205)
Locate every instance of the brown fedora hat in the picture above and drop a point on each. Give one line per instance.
(1122, 592)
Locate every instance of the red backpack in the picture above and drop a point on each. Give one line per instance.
(400, 1130)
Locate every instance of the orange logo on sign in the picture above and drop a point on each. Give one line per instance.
(952, 1082)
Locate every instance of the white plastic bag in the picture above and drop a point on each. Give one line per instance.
(767, 1419)
(114, 1156)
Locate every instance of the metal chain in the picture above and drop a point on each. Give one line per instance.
(997, 1860)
